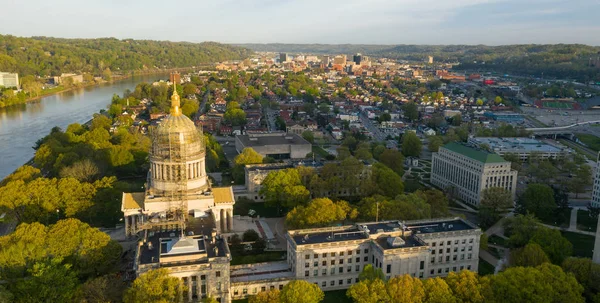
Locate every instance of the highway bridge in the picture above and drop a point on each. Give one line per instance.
(558, 130)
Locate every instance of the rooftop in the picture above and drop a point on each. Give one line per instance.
(271, 139)
(474, 153)
(335, 235)
(440, 226)
(516, 145)
(133, 200)
(223, 194)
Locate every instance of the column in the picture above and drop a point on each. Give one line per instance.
(222, 218)
(230, 220)
(134, 224)
(127, 233)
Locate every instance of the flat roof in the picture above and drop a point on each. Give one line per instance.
(271, 139)
(474, 153)
(440, 226)
(349, 234)
(409, 241)
(514, 144)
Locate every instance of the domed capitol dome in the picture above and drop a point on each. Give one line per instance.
(177, 156)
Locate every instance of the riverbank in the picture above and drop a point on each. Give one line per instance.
(116, 78)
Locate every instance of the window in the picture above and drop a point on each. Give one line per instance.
(357, 259)
(324, 272)
(357, 268)
(442, 243)
(422, 265)
(341, 253)
(324, 284)
(388, 268)
(306, 264)
(455, 249)
(349, 260)
(324, 255)
(333, 271)
(355, 280)
(464, 241)
(455, 242)
(340, 282)
(203, 277)
(432, 259)
(349, 269)
(421, 275)
(358, 251)
(245, 291)
(366, 251)
(453, 268)
(449, 242)
(332, 262)
(439, 270)
(280, 286)
(349, 253)
(441, 251)
(332, 283)
(454, 257)
(306, 273)
(448, 250)
(315, 256)
(432, 272)
(349, 281)
(341, 270)
(342, 261)
(447, 258)
(470, 248)
(235, 292)
(306, 257)
(366, 259)
(316, 263)
(469, 267)
(469, 256)
(218, 273)
(447, 269)
(324, 263)
(218, 285)
(272, 287)
(333, 254)
(263, 288)
(433, 252)
(433, 244)
(471, 240)
(194, 278)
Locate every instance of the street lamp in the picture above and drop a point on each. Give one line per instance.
(57, 214)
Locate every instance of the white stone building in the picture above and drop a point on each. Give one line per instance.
(467, 171)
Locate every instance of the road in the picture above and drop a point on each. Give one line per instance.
(203, 105)
(372, 128)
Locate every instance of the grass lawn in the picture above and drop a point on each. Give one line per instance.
(497, 240)
(585, 222)
(242, 207)
(564, 216)
(412, 185)
(582, 244)
(486, 268)
(267, 256)
(590, 141)
(336, 296)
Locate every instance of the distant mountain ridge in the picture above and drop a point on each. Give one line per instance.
(46, 56)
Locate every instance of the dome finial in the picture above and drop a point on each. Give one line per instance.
(175, 103)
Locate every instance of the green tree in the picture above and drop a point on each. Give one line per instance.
(405, 289)
(308, 136)
(271, 296)
(587, 274)
(410, 111)
(531, 255)
(300, 291)
(438, 202)
(284, 188)
(466, 287)
(318, 212)
(545, 283)
(85, 171)
(370, 273)
(394, 160)
(411, 145)
(537, 199)
(368, 291)
(248, 156)
(388, 182)
(581, 180)
(155, 286)
(557, 247)
(189, 89)
(107, 288)
(49, 281)
(434, 143)
(520, 229)
(498, 100)
(437, 291)
(495, 201)
(457, 120)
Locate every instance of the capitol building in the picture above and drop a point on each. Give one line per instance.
(183, 224)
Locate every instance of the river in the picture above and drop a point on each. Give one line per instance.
(21, 126)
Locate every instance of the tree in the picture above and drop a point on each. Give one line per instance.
(370, 273)
(271, 296)
(394, 160)
(300, 291)
(250, 235)
(248, 156)
(434, 143)
(189, 89)
(308, 136)
(437, 291)
(318, 213)
(106, 74)
(284, 188)
(410, 111)
(388, 182)
(457, 120)
(438, 202)
(587, 274)
(85, 171)
(49, 281)
(479, 102)
(156, 285)
(107, 288)
(520, 229)
(537, 199)
(498, 100)
(411, 145)
(581, 180)
(531, 255)
(545, 283)
(495, 200)
(405, 289)
(466, 286)
(557, 247)
(368, 291)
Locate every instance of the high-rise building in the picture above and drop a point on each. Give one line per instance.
(283, 57)
(9, 80)
(430, 59)
(325, 60)
(340, 60)
(358, 58)
(466, 171)
(596, 188)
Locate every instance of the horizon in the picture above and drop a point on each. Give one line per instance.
(378, 22)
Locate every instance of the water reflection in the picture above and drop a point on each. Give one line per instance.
(22, 125)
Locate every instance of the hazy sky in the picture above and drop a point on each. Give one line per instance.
(310, 21)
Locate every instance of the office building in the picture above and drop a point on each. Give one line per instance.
(466, 171)
(596, 188)
(430, 59)
(9, 80)
(325, 60)
(339, 60)
(596, 257)
(520, 146)
(275, 145)
(358, 58)
(283, 57)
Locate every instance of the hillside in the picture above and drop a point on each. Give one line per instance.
(46, 56)
(556, 60)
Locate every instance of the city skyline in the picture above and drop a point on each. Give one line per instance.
(334, 22)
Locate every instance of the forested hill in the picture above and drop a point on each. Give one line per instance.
(553, 60)
(52, 56)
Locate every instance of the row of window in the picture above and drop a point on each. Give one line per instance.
(332, 271)
(334, 254)
(333, 262)
(454, 258)
(447, 269)
(236, 292)
(441, 250)
(449, 242)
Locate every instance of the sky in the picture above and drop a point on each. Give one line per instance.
(491, 22)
